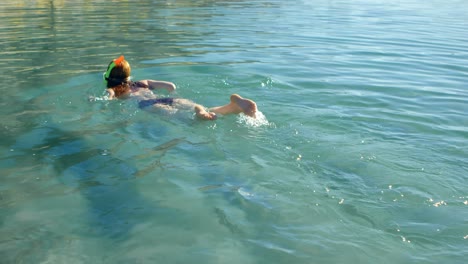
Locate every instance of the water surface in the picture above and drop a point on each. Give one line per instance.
(360, 155)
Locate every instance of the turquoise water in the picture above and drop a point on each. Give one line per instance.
(360, 155)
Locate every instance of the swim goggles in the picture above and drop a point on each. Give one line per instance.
(115, 62)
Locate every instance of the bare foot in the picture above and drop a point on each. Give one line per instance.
(203, 114)
(246, 106)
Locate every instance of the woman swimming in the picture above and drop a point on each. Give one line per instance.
(119, 86)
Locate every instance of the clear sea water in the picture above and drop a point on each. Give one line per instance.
(360, 155)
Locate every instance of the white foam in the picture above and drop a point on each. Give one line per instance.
(259, 121)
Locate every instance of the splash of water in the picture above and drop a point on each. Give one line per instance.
(259, 121)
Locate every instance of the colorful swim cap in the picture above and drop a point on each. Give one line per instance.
(115, 62)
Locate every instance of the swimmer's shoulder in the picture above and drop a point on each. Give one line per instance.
(140, 84)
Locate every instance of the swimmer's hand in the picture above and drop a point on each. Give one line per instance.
(171, 88)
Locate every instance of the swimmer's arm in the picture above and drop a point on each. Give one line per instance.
(152, 84)
(110, 94)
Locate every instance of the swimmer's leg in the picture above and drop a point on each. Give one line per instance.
(203, 114)
(158, 108)
(237, 105)
(200, 110)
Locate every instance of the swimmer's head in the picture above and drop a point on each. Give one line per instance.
(118, 72)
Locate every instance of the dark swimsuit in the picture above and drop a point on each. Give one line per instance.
(149, 102)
